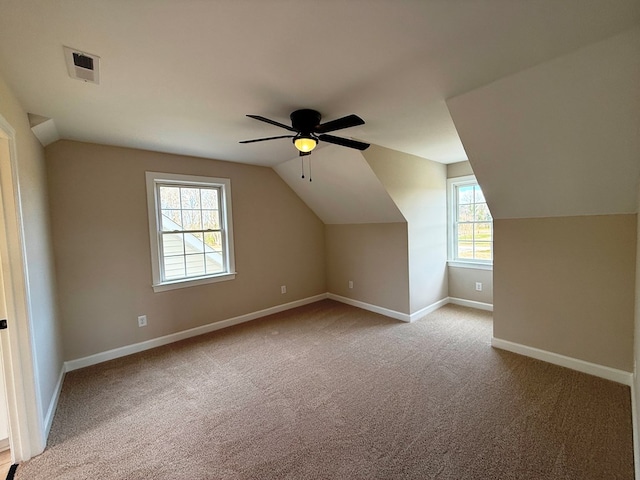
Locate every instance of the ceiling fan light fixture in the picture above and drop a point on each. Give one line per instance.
(305, 144)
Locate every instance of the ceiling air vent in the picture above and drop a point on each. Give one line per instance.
(82, 66)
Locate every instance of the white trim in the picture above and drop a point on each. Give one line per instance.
(153, 212)
(428, 309)
(48, 420)
(471, 265)
(175, 337)
(166, 286)
(608, 373)
(26, 435)
(471, 303)
(452, 201)
(405, 317)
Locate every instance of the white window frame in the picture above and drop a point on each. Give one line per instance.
(153, 179)
(452, 185)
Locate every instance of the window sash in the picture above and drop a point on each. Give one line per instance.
(467, 209)
(162, 232)
(183, 268)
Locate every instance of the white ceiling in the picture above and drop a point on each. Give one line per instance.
(179, 76)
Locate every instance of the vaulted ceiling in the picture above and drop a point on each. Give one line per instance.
(179, 76)
(561, 138)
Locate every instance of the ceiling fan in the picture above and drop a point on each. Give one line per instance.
(308, 130)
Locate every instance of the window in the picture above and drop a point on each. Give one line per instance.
(470, 224)
(190, 230)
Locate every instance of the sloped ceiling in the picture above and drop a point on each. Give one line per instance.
(179, 76)
(343, 190)
(561, 138)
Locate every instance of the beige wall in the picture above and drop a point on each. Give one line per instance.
(418, 187)
(566, 285)
(101, 245)
(636, 349)
(44, 328)
(459, 169)
(374, 256)
(462, 284)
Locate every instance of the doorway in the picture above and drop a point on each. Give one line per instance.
(16, 371)
(5, 447)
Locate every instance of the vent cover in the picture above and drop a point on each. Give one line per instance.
(82, 66)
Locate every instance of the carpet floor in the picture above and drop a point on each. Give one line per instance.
(329, 391)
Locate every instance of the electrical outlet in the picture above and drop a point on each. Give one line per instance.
(283, 289)
(142, 321)
(350, 283)
(478, 286)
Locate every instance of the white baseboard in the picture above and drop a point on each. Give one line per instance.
(471, 303)
(53, 404)
(428, 309)
(608, 373)
(175, 337)
(405, 317)
(619, 376)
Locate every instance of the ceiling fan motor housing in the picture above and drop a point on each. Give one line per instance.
(305, 124)
(305, 121)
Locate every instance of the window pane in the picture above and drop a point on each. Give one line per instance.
(172, 244)
(192, 219)
(210, 220)
(173, 267)
(465, 250)
(483, 250)
(465, 232)
(169, 197)
(209, 198)
(482, 213)
(465, 194)
(195, 265)
(193, 243)
(482, 232)
(171, 220)
(214, 263)
(465, 213)
(190, 197)
(213, 240)
(479, 196)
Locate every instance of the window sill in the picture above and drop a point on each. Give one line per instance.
(473, 265)
(163, 287)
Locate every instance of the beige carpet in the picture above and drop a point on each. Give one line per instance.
(328, 391)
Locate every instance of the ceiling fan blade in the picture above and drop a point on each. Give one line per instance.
(340, 123)
(272, 122)
(344, 142)
(267, 138)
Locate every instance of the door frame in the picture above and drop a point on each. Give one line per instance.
(26, 438)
